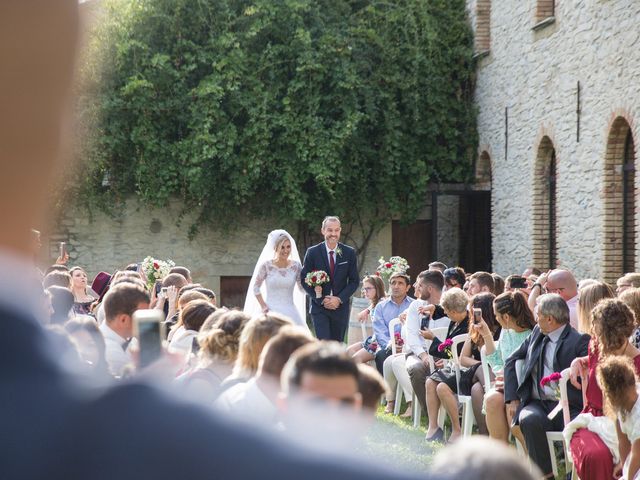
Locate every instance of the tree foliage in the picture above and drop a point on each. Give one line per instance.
(288, 108)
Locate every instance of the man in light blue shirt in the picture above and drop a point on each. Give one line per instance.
(387, 310)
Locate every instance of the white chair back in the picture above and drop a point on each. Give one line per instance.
(392, 334)
(485, 369)
(457, 340)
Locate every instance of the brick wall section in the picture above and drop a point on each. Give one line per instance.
(545, 9)
(613, 199)
(483, 26)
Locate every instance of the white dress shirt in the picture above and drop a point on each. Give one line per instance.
(573, 311)
(117, 357)
(248, 402)
(417, 343)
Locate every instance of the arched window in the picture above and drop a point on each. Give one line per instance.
(619, 202)
(483, 26)
(545, 9)
(544, 207)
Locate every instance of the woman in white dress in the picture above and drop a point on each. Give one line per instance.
(275, 284)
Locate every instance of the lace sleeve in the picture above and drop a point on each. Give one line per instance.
(297, 268)
(260, 278)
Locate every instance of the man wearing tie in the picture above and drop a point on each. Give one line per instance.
(330, 313)
(550, 348)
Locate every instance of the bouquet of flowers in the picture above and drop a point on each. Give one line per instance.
(554, 378)
(399, 341)
(155, 270)
(316, 279)
(446, 347)
(394, 265)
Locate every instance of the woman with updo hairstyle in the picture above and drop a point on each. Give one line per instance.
(612, 323)
(513, 314)
(219, 341)
(590, 295)
(255, 335)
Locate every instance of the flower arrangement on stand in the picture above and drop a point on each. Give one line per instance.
(393, 265)
(154, 270)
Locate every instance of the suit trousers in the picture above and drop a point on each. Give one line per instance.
(331, 324)
(418, 373)
(535, 425)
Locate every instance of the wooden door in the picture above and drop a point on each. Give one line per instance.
(233, 291)
(415, 243)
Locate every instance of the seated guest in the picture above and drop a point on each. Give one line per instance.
(423, 313)
(90, 344)
(619, 380)
(498, 284)
(564, 284)
(589, 298)
(551, 347)
(120, 304)
(454, 277)
(58, 279)
(61, 304)
(591, 436)
(516, 319)
(468, 460)
(630, 280)
(437, 266)
(372, 290)
(372, 386)
(455, 303)
(83, 296)
(377, 346)
(472, 379)
(256, 399)
(631, 297)
(218, 340)
(481, 282)
(255, 335)
(192, 316)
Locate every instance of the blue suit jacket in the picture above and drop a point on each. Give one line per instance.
(344, 282)
(53, 428)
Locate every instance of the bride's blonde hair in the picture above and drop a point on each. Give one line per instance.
(281, 239)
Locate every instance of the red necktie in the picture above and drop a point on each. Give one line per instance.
(332, 263)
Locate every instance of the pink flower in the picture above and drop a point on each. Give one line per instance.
(554, 377)
(389, 265)
(156, 265)
(444, 345)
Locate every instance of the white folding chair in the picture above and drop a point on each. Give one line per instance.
(441, 334)
(394, 351)
(485, 369)
(468, 418)
(553, 437)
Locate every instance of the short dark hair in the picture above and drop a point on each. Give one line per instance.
(187, 287)
(439, 265)
(432, 277)
(195, 313)
(61, 302)
(184, 271)
(57, 278)
(205, 291)
(371, 386)
(123, 298)
(278, 350)
(484, 279)
(132, 267)
(456, 274)
(174, 280)
(324, 358)
(56, 268)
(404, 276)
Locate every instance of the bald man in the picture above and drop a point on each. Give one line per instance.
(561, 282)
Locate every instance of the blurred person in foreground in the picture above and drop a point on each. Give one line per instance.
(124, 433)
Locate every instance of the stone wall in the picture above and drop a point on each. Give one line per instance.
(534, 73)
(106, 243)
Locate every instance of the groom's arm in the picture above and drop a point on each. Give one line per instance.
(307, 267)
(354, 280)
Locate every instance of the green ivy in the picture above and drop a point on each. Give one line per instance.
(287, 108)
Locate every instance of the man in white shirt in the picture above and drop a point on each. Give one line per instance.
(428, 289)
(255, 401)
(119, 306)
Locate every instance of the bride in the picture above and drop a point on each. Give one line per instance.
(277, 273)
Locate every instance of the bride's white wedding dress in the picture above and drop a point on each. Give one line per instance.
(280, 284)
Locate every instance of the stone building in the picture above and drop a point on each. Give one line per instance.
(558, 100)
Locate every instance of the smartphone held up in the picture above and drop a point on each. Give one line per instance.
(148, 328)
(477, 315)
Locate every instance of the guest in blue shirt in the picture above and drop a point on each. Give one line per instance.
(378, 345)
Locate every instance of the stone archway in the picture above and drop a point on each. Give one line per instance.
(544, 235)
(619, 196)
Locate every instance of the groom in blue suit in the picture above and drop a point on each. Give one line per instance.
(330, 313)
